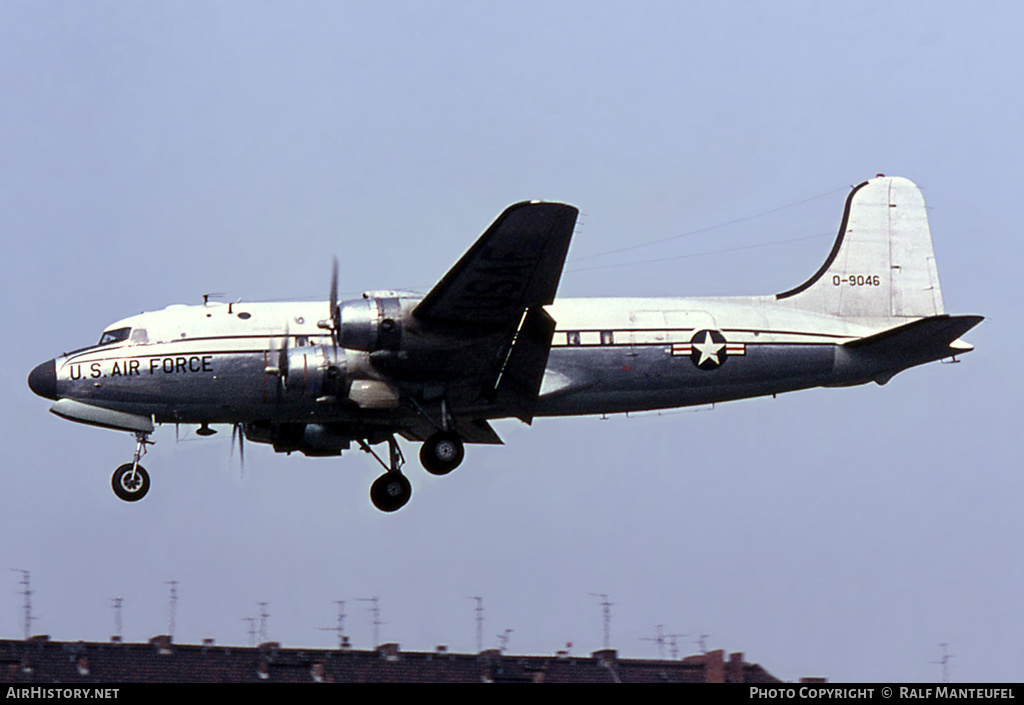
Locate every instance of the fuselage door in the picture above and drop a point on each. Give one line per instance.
(663, 328)
(646, 328)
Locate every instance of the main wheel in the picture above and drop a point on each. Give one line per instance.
(390, 491)
(127, 487)
(442, 453)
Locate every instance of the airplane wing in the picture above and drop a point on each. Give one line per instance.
(474, 431)
(515, 265)
(492, 301)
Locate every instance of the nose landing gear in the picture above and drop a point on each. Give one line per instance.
(131, 481)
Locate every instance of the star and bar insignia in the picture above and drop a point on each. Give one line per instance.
(708, 349)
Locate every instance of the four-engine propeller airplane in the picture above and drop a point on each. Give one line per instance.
(490, 341)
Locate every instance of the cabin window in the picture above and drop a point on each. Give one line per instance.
(573, 337)
(114, 336)
(607, 338)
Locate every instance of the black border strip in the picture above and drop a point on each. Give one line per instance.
(835, 248)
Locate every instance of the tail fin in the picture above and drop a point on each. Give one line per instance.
(882, 264)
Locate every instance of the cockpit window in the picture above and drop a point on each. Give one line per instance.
(114, 336)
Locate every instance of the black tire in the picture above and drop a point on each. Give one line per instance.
(442, 453)
(390, 492)
(128, 488)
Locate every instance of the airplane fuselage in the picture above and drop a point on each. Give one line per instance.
(216, 363)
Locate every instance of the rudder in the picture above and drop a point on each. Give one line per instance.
(882, 264)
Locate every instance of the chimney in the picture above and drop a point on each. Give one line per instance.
(735, 668)
(714, 666)
(388, 651)
(162, 644)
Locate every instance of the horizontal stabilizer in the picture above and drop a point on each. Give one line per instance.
(929, 338)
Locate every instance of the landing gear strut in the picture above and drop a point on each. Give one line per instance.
(392, 490)
(131, 481)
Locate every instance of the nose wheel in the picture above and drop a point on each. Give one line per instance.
(131, 481)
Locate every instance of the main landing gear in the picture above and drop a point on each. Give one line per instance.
(131, 481)
(440, 454)
(392, 490)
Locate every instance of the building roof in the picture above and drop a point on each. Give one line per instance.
(40, 660)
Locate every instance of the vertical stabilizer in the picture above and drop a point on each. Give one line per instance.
(882, 264)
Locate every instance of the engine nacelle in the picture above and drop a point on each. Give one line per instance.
(371, 323)
(315, 371)
(317, 440)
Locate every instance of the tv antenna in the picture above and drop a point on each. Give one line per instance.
(503, 640)
(173, 607)
(479, 623)
(673, 645)
(252, 630)
(659, 640)
(376, 617)
(26, 592)
(606, 611)
(944, 662)
(264, 615)
(340, 628)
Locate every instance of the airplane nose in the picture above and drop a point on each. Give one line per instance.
(43, 379)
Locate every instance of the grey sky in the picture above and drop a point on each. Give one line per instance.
(150, 152)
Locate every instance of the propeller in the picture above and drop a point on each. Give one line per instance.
(238, 432)
(335, 314)
(333, 323)
(282, 362)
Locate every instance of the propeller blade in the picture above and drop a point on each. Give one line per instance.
(282, 362)
(236, 431)
(335, 327)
